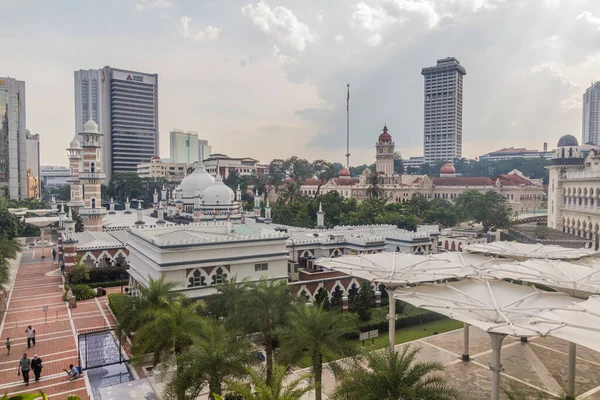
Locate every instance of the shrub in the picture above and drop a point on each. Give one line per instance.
(108, 284)
(119, 304)
(108, 274)
(79, 273)
(81, 292)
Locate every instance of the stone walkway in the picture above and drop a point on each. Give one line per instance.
(38, 283)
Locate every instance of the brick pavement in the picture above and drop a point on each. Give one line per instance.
(36, 284)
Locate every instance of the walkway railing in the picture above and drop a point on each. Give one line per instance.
(530, 214)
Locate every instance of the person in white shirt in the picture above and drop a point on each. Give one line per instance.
(30, 332)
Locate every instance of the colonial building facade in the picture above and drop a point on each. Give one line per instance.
(521, 192)
(574, 189)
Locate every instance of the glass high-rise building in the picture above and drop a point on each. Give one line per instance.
(129, 119)
(13, 144)
(183, 146)
(443, 110)
(87, 98)
(591, 113)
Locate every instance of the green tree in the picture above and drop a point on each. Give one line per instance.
(324, 171)
(264, 308)
(400, 220)
(216, 355)
(9, 249)
(277, 387)
(10, 224)
(170, 329)
(79, 272)
(398, 163)
(374, 189)
(514, 393)
(391, 375)
(364, 301)
(227, 300)
(489, 209)
(319, 332)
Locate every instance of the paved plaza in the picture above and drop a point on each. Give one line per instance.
(37, 284)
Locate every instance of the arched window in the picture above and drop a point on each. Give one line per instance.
(93, 167)
(93, 203)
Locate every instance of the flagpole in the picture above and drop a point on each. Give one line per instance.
(348, 128)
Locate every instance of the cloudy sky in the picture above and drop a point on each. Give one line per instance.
(267, 79)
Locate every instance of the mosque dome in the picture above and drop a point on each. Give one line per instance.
(90, 127)
(218, 191)
(447, 169)
(196, 182)
(567, 140)
(344, 172)
(385, 136)
(75, 144)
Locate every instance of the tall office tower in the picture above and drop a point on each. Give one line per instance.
(443, 110)
(33, 164)
(204, 150)
(13, 145)
(183, 146)
(591, 113)
(129, 118)
(87, 97)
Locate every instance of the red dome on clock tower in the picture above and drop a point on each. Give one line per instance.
(385, 136)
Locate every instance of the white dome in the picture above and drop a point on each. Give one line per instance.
(90, 127)
(218, 191)
(198, 180)
(75, 144)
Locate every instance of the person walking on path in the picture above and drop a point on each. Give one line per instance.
(8, 346)
(53, 254)
(23, 368)
(36, 366)
(30, 336)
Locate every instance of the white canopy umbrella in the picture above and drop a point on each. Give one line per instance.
(516, 250)
(42, 223)
(498, 307)
(576, 279)
(402, 269)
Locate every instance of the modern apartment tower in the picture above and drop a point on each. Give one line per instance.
(13, 142)
(129, 118)
(443, 110)
(591, 114)
(87, 97)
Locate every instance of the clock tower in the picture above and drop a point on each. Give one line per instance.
(384, 159)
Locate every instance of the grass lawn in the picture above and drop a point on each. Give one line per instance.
(403, 335)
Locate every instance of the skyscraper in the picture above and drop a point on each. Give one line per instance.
(13, 145)
(443, 110)
(591, 113)
(87, 97)
(183, 147)
(129, 118)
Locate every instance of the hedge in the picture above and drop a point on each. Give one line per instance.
(107, 274)
(119, 304)
(108, 284)
(81, 292)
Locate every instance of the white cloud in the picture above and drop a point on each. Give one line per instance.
(339, 38)
(319, 16)
(589, 18)
(402, 10)
(280, 25)
(373, 20)
(282, 58)
(572, 97)
(143, 5)
(207, 34)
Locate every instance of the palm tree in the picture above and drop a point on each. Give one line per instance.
(230, 295)
(9, 249)
(319, 332)
(391, 375)
(514, 393)
(263, 308)
(269, 389)
(171, 328)
(374, 190)
(218, 354)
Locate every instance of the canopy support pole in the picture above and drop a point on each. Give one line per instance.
(465, 354)
(571, 370)
(392, 319)
(43, 243)
(495, 365)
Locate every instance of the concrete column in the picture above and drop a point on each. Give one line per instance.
(42, 229)
(392, 319)
(495, 365)
(465, 354)
(378, 299)
(571, 370)
(345, 304)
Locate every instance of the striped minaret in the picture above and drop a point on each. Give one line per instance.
(75, 164)
(91, 178)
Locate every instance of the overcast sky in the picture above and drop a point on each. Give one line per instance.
(268, 79)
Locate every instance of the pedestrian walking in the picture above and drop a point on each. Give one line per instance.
(8, 346)
(30, 332)
(23, 368)
(53, 254)
(36, 366)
